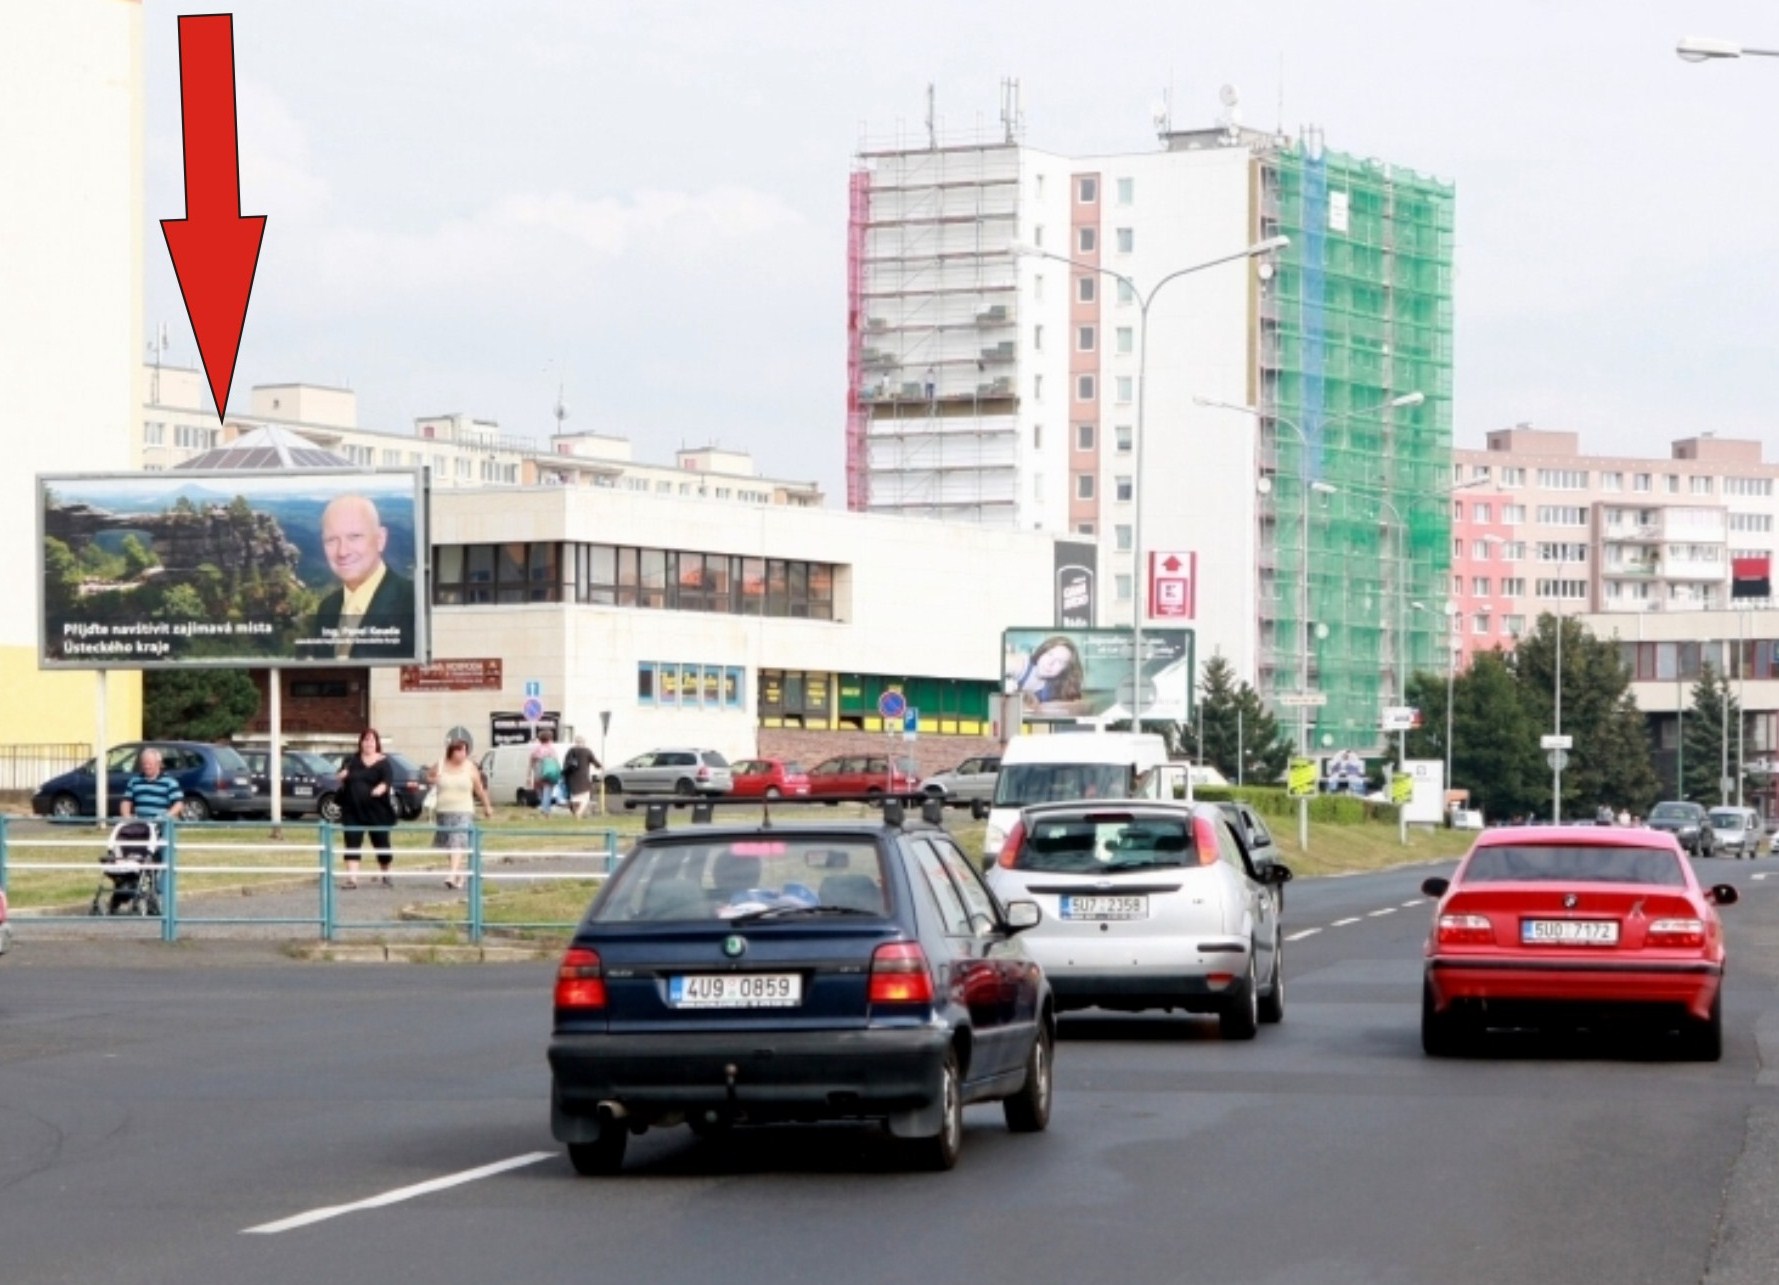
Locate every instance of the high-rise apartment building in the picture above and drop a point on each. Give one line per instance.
(1541, 527)
(993, 383)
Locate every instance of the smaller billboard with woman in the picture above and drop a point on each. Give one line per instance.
(1087, 674)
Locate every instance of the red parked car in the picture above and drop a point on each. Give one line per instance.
(862, 774)
(1579, 925)
(768, 779)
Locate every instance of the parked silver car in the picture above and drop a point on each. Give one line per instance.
(974, 778)
(672, 771)
(1148, 905)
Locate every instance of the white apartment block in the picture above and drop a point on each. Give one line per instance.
(177, 424)
(1544, 527)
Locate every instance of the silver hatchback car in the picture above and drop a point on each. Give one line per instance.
(1148, 905)
(672, 771)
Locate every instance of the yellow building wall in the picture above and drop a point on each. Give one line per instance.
(59, 706)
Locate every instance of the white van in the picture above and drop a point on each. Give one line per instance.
(1065, 766)
(506, 770)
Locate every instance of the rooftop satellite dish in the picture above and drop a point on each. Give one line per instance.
(1227, 96)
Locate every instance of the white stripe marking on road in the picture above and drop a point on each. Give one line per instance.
(1342, 923)
(1410, 905)
(1299, 936)
(1387, 910)
(399, 1194)
(1762, 875)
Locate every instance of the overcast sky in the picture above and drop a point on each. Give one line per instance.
(470, 202)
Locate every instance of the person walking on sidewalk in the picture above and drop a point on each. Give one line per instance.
(367, 803)
(546, 773)
(578, 766)
(459, 784)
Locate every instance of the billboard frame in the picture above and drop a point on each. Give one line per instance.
(419, 653)
(1153, 639)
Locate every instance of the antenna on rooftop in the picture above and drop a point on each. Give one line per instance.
(932, 128)
(561, 410)
(1012, 122)
(156, 347)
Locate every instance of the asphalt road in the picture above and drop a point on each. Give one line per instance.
(156, 1104)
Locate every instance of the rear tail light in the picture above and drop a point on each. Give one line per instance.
(1011, 845)
(580, 981)
(1676, 932)
(899, 975)
(1465, 930)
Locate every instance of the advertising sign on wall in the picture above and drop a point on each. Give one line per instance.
(1072, 674)
(1076, 563)
(147, 571)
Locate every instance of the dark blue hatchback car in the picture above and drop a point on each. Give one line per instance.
(765, 973)
(214, 778)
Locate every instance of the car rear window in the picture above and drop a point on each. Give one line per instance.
(713, 759)
(1729, 820)
(226, 758)
(1574, 863)
(1095, 844)
(794, 769)
(679, 882)
(1672, 812)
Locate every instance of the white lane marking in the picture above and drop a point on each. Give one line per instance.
(1410, 905)
(1762, 875)
(1387, 910)
(1299, 936)
(399, 1194)
(1342, 923)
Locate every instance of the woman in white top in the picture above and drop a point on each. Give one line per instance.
(459, 784)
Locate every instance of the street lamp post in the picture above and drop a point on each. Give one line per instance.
(1303, 580)
(1710, 49)
(1138, 580)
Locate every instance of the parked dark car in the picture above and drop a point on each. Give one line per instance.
(307, 781)
(1687, 822)
(733, 975)
(410, 783)
(214, 778)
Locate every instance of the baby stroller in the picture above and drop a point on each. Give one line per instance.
(124, 886)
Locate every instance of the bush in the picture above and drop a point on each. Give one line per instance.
(1273, 801)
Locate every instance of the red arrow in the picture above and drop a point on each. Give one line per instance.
(1172, 564)
(214, 249)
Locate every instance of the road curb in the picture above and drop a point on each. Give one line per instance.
(383, 953)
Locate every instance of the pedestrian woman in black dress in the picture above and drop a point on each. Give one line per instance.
(367, 803)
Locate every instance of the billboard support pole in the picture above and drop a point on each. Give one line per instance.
(275, 759)
(101, 751)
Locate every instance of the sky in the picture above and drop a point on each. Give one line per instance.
(473, 204)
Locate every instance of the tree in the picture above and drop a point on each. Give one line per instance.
(1710, 729)
(138, 558)
(1495, 753)
(1609, 763)
(1241, 738)
(197, 704)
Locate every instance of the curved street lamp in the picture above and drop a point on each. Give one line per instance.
(1138, 580)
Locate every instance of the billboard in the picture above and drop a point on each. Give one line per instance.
(286, 568)
(1076, 565)
(1068, 674)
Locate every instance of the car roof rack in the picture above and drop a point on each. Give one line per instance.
(894, 805)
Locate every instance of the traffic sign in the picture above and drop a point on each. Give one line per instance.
(1300, 700)
(1556, 742)
(533, 687)
(1402, 788)
(605, 721)
(910, 723)
(1401, 718)
(533, 709)
(892, 704)
(1558, 759)
(1173, 579)
(1300, 778)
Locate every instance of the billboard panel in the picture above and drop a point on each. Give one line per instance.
(149, 571)
(1067, 674)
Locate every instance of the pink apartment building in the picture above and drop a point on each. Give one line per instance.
(1542, 527)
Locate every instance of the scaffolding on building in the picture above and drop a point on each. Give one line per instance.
(933, 397)
(1359, 312)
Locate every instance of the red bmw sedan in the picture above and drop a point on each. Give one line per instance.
(1578, 925)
